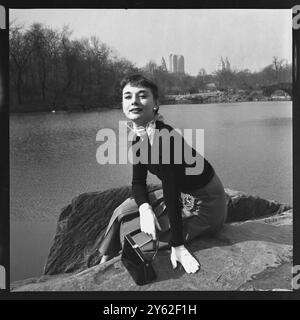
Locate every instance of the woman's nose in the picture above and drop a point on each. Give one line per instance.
(134, 100)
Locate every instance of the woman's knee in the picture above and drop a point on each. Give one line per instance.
(220, 217)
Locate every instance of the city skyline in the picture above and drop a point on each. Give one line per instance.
(248, 37)
(176, 63)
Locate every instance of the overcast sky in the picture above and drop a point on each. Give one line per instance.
(248, 37)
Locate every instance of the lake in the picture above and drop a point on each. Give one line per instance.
(53, 160)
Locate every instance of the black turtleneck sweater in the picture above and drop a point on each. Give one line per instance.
(171, 172)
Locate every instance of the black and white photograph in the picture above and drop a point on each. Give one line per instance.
(151, 150)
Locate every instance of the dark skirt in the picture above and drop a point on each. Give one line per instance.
(204, 211)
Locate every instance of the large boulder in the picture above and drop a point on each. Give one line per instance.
(253, 251)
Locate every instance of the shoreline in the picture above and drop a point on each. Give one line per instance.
(106, 109)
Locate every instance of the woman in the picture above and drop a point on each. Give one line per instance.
(197, 198)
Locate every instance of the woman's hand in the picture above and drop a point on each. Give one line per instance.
(181, 254)
(148, 220)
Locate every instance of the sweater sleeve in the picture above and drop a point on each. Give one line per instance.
(171, 196)
(139, 185)
(171, 176)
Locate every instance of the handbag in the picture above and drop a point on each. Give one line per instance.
(136, 262)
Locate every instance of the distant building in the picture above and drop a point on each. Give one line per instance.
(180, 64)
(223, 65)
(176, 63)
(227, 64)
(171, 63)
(163, 64)
(202, 72)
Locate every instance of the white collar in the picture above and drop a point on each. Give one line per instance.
(148, 129)
(142, 131)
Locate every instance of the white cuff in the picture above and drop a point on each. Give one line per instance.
(179, 248)
(145, 206)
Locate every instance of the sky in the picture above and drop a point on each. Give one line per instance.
(248, 37)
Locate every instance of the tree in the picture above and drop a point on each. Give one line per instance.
(225, 79)
(278, 66)
(49, 70)
(20, 50)
(44, 40)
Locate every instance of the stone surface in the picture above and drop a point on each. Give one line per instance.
(249, 253)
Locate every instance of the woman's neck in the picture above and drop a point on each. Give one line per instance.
(144, 124)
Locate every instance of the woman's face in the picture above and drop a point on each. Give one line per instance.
(138, 104)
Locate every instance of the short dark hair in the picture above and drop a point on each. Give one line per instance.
(139, 80)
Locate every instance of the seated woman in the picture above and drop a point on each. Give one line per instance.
(199, 195)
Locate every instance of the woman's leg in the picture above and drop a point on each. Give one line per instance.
(111, 245)
(208, 212)
(126, 212)
(204, 211)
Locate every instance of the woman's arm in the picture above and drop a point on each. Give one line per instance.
(172, 200)
(139, 184)
(172, 175)
(173, 206)
(148, 220)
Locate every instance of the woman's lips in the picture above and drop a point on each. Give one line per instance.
(136, 110)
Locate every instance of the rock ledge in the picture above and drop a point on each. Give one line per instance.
(252, 252)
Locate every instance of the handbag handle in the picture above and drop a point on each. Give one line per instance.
(156, 242)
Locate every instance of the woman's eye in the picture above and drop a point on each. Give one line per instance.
(143, 96)
(127, 97)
